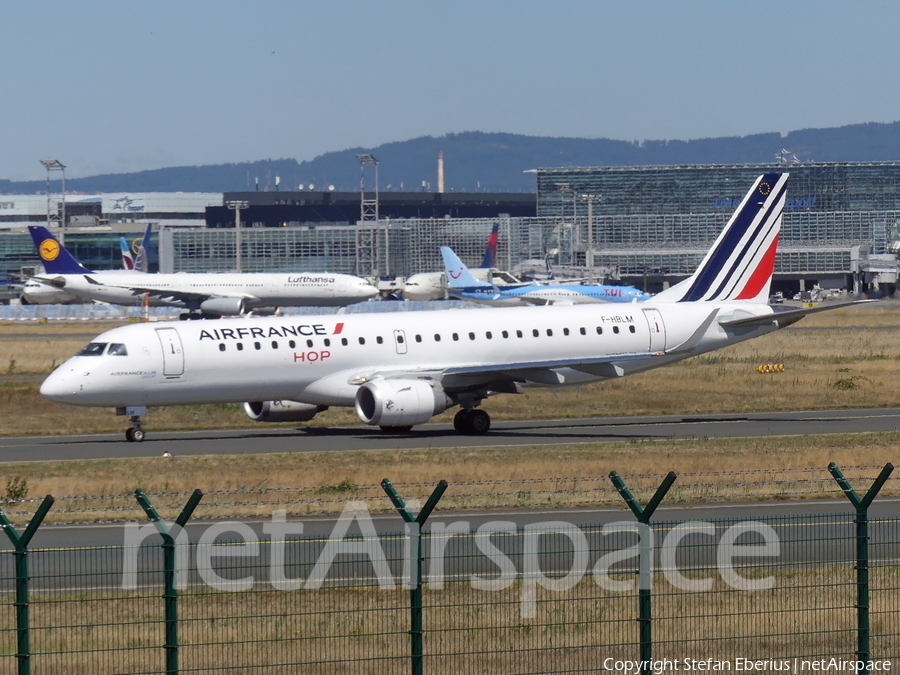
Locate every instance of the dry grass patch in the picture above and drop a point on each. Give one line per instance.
(808, 614)
(561, 476)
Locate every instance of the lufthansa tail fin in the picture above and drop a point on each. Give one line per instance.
(490, 251)
(54, 256)
(739, 266)
(458, 275)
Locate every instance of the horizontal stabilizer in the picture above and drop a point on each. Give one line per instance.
(785, 317)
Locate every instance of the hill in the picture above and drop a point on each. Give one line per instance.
(492, 162)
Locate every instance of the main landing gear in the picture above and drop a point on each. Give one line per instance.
(473, 422)
(134, 433)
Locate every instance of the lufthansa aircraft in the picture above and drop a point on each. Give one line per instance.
(399, 370)
(201, 293)
(43, 290)
(463, 286)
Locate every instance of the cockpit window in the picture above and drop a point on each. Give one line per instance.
(116, 349)
(93, 349)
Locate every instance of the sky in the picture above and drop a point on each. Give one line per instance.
(112, 87)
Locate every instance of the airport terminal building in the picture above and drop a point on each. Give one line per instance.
(840, 220)
(645, 225)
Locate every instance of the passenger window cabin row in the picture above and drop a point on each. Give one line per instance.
(489, 335)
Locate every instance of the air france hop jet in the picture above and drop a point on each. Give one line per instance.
(202, 294)
(400, 370)
(463, 286)
(42, 290)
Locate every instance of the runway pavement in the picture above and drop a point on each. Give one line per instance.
(546, 433)
(92, 557)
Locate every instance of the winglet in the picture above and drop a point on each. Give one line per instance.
(740, 264)
(458, 275)
(56, 259)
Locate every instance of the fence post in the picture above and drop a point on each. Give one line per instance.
(415, 524)
(862, 552)
(21, 541)
(170, 594)
(645, 563)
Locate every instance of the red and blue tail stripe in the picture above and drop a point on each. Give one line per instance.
(740, 264)
(490, 251)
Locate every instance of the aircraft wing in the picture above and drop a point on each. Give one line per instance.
(536, 300)
(505, 377)
(172, 294)
(494, 299)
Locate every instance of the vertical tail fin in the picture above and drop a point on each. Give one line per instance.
(490, 251)
(142, 259)
(739, 266)
(458, 275)
(127, 259)
(56, 259)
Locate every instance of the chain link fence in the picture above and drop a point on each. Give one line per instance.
(499, 597)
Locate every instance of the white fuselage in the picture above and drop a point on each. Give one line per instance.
(38, 293)
(433, 285)
(323, 359)
(301, 289)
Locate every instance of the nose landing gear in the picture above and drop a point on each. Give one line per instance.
(134, 433)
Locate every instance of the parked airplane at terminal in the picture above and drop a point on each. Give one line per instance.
(399, 370)
(139, 261)
(38, 291)
(213, 294)
(433, 285)
(463, 286)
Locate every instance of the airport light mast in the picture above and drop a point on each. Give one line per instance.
(565, 189)
(236, 206)
(367, 257)
(589, 253)
(56, 216)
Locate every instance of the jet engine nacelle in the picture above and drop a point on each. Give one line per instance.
(400, 403)
(223, 306)
(281, 411)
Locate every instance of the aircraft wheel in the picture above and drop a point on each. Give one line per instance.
(459, 421)
(129, 434)
(396, 430)
(478, 422)
(472, 422)
(137, 435)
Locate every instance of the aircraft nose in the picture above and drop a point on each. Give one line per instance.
(60, 386)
